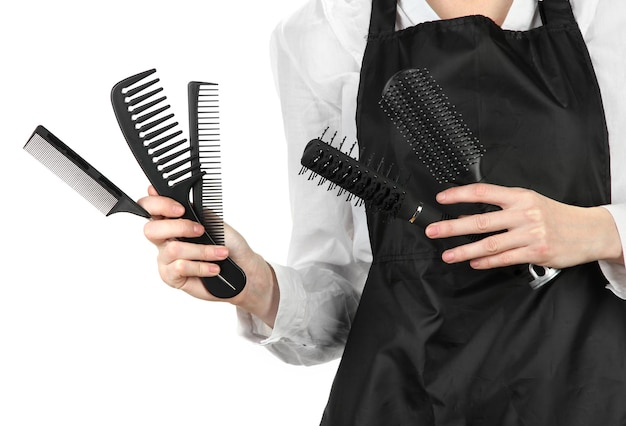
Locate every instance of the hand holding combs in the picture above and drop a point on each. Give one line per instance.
(177, 168)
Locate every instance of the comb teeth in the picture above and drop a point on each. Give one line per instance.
(152, 131)
(79, 174)
(71, 174)
(430, 123)
(205, 137)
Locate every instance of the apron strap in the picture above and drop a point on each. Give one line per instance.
(556, 12)
(383, 17)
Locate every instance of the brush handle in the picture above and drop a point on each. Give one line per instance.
(419, 212)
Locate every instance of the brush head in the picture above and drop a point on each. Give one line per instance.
(364, 184)
(422, 113)
(80, 175)
(332, 165)
(204, 135)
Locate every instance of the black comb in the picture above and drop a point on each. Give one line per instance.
(80, 175)
(436, 131)
(204, 135)
(358, 180)
(155, 138)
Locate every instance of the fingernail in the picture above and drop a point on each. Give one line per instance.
(432, 231)
(221, 252)
(441, 196)
(178, 209)
(214, 269)
(448, 256)
(197, 228)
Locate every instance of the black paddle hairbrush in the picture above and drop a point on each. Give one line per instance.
(431, 125)
(167, 159)
(80, 175)
(370, 186)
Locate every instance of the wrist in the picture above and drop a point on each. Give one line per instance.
(608, 243)
(261, 295)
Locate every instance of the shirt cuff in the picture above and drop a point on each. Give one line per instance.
(290, 313)
(616, 273)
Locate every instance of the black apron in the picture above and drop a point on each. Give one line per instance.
(439, 344)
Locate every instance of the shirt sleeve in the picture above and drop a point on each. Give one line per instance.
(606, 41)
(329, 254)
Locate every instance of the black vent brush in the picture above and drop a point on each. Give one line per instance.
(80, 175)
(204, 136)
(167, 159)
(332, 165)
(435, 130)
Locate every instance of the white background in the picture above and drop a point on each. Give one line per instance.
(89, 335)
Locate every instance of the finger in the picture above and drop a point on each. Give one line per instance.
(475, 224)
(159, 206)
(158, 231)
(497, 249)
(481, 193)
(181, 269)
(175, 250)
(152, 190)
(507, 258)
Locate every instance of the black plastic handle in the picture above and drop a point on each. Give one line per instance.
(231, 280)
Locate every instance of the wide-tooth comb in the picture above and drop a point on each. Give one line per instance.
(155, 138)
(80, 175)
(384, 194)
(204, 135)
(432, 126)
(422, 113)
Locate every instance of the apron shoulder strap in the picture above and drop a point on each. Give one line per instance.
(556, 12)
(383, 17)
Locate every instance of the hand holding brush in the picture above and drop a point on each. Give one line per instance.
(350, 176)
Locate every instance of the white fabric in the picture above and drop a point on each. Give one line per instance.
(316, 55)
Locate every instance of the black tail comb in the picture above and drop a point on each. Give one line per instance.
(80, 175)
(167, 158)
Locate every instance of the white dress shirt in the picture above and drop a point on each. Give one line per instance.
(316, 56)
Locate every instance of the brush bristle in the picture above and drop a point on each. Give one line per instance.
(358, 180)
(434, 129)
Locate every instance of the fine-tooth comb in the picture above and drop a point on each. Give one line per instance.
(167, 159)
(384, 194)
(422, 113)
(80, 175)
(204, 136)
